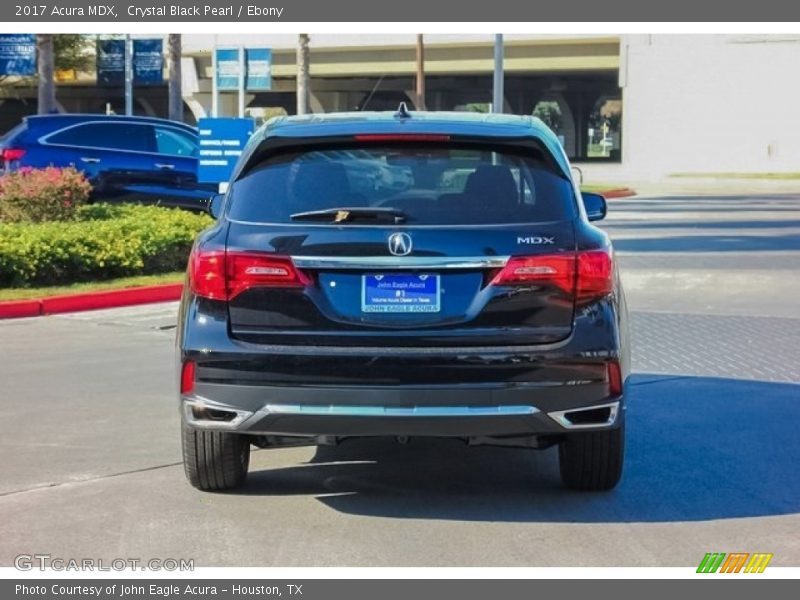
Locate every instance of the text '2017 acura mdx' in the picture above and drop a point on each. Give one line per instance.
(403, 274)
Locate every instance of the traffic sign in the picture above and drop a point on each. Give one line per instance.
(221, 143)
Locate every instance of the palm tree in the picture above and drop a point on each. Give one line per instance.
(175, 102)
(302, 74)
(46, 66)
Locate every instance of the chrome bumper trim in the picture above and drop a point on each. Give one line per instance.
(396, 411)
(559, 416)
(399, 262)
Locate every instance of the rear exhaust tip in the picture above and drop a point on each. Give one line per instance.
(600, 415)
(202, 414)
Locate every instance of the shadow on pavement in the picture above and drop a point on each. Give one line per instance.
(698, 448)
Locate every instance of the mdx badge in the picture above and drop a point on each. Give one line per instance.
(400, 244)
(536, 239)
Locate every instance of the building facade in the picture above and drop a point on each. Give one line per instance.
(631, 107)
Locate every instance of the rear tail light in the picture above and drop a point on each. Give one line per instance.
(224, 275)
(187, 377)
(614, 379)
(12, 154)
(595, 276)
(262, 270)
(588, 274)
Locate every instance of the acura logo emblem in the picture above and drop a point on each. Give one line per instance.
(400, 244)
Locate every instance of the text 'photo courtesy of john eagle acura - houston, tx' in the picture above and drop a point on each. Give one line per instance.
(403, 274)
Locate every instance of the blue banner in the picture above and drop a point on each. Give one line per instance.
(18, 54)
(221, 143)
(110, 62)
(227, 69)
(259, 69)
(148, 62)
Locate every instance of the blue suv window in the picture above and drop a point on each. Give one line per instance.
(431, 185)
(108, 136)
(172, 141)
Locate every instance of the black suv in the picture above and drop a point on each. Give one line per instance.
(403, 274)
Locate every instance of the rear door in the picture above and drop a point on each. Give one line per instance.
(114, 155)
(176, 165)
(403, 243)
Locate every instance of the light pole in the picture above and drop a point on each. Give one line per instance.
(128, 75)
(497, 96)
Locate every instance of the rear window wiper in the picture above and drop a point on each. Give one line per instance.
(350, 214)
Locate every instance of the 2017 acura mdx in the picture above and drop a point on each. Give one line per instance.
(461, 292)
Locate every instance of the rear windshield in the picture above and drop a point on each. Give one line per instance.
(438, 185)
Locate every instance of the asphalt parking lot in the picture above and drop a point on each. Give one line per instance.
(91, 458)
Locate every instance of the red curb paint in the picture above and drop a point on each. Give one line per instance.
(91, 301)
(618, 193)
(111, 298)
(20, 308)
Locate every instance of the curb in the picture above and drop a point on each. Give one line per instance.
(90, 301)
(619, 193)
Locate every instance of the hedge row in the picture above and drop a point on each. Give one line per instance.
(102, 242)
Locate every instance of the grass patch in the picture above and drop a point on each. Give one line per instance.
(772, 176)
(90, 286)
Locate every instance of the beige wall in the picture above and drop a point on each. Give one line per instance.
(710, 104)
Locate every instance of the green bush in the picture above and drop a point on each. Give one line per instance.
(36, 195)
(101, 243)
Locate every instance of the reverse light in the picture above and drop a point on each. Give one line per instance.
(187, 377)
(220, 275)
(587, 275)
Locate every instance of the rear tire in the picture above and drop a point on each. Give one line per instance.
(592, 460)
(215, 460)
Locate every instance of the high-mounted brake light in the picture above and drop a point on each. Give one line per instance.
(401, 137)
(12, 154)
(588, 274)
(224, 275)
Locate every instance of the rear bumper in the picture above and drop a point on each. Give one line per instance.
(431, 391)
(409, 411)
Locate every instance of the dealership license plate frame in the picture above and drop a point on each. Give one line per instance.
(382, 299)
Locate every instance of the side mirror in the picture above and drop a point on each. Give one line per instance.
(214, 206)
(595, 206)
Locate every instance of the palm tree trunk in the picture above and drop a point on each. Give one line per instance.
(420, 99)
(302, 74)
(46, 66)
(175, 102)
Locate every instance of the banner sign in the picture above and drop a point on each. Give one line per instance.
(227, 68)
(18, 54)
(111, 62)
(221, 143)
(148, 62)
(258, 76)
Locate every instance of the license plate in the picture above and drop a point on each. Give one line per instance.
(395, 293)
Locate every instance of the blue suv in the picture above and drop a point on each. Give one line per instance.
(139, 159)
